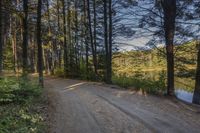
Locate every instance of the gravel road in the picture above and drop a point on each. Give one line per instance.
(86, 107)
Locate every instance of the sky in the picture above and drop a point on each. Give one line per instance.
(125, 44)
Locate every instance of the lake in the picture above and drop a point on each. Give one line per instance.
(184, 86)
(184, 95)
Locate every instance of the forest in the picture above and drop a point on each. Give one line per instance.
(148, 46)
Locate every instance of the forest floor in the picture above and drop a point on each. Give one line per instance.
(87, 107)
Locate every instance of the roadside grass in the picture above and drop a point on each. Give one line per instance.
(142, 84)
(21, 106)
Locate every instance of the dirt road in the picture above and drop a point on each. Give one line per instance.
(85, 107)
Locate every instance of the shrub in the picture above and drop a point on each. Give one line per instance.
(139, 83)
(19, 106)
(13, 90)
(59, 72)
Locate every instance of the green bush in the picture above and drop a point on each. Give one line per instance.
(19, 103)
(20, 119)
(59, 72)
(13, 90)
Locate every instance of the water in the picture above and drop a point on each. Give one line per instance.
(184, 86)
(184, 95)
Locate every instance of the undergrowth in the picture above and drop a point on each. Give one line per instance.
(147, 85)
(20, 106)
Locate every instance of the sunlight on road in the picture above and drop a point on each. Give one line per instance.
(74, 86)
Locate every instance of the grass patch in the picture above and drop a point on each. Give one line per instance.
(146, 85)
(20, 106)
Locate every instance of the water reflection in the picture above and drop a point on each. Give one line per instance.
(184, 95)
(184, 85)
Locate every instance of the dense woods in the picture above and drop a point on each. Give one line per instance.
(80, 39)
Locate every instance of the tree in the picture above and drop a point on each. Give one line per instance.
(91, 36)
(65, 40)
(25, 37)
(69, 37)
(95, 37)
(39, 44)
(169, 8)
(110, 43)
(50, 60)
(85, 33)
(106, 40)
(196, 96)
(1, 39)
(59, 29)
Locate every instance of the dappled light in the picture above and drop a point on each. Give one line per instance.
(74, 86)
(99, 66)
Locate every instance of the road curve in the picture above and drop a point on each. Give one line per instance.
(85, 107)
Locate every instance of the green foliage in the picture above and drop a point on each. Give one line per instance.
(147, 60)
(84, 74)
(8, 56)
(83, 71)
(13, 90)
(19, 100)
(185, 83)
(146, 65)
(148, 85)
(20, 119)
(59, 72)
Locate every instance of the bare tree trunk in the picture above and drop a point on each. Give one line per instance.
(65, 41)
(50, 52)
(45, 64)
(39, 42)
(20, 40)
(1, 39)
(106, 41)
(58, 14)
(76, 38)
(110, 43)
(25, 37)
(86, 37)
(70, 47)
(196, 97)
(14, 44)
(59, 43)
(95, 34)
(169, 7)
(91, 38)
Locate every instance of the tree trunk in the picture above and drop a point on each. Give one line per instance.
(69, 36)
(50, 52)
(1, 39)
(76, 39)
(39, 43)
(58, 15)
(106, 41)
(14, 44)
(169, 7)
(59, 43)
(86, 37)
(196, 97)
(110, 43)
(95, 35)
(31, 54)
(91, 38)
(65, 41)
(25, 37)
